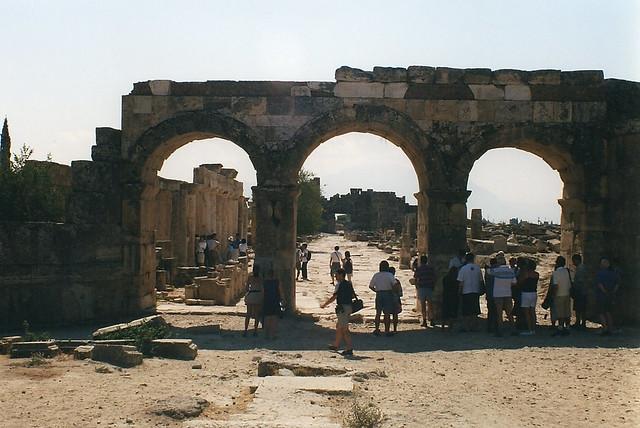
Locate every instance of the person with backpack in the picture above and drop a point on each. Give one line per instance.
(343, 295)
(335, 263)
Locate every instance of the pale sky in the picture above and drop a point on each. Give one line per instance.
(65, 65)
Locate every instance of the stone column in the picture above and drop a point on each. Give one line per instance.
(275, 234)
(476, 223)
(421, 222)
(571, 222)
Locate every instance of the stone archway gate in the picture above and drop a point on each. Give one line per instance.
(584, 126)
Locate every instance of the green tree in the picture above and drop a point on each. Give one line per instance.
(309, 203)
(27, 193)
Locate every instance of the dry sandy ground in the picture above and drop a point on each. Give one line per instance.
(432, 378)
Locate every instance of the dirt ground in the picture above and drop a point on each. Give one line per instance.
(429, 377)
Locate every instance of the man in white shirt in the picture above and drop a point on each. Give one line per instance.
(382, 283)
(305, 256)
(503, 278)
(470, 281)
(335, 262)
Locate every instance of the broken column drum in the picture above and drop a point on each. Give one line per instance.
(584, 126)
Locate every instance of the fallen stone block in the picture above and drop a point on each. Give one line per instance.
(118, 355)
(180, 349)
(203, 302)
(130, 342)
(47, 349)
(83, 352)
(271, 368)
(180, 407)
(6, 342)
(156, 320)
(68, 346)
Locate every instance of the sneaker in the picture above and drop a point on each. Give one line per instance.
(347, 353)
(424, 324)
(332, 348)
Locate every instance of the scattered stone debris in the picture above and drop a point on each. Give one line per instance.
(83, 352)
(271, 368)
(46, 348)
(180, 407)
(103, 369)
(118, 355)
(6, 342)
(154, 320)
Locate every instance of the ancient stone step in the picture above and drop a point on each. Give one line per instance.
(118, 355)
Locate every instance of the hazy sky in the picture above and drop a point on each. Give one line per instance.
(66, 64)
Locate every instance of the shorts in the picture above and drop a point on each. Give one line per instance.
(604, 304)
(343, 317)
(580, 302)
(334, 267)
(424, 294)
(528, 300)
(385, 302)
(561, 307)
(506, 304)
(470, 304)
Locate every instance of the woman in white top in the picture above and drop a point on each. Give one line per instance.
(561, 292)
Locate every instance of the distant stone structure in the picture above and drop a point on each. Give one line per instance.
(370, 210)
(101, 262)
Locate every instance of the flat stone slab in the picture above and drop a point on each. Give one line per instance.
(118, 355)
(181, 349)
(151, 320)
(47, 349)
(317, 384)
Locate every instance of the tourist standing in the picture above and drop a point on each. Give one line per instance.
(469, 284)
(271, 307)
(254, 300)
(529, 297)
(348, 265)
(457, 261)
(492, 321)
(343, 295)
(202, 248)
(397, 297)
(450, 298)
(298, 262)
(606, 289)
(335, 263)
(580, 292)
(212, 250)
(503, 279)
(243, 248)
(561, 292)
(382, 283)
(305, 256)
(425, 278)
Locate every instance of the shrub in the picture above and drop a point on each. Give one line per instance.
(363, 416)
(143, 335)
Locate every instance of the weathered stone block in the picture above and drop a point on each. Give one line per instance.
(446, 75)
(438, 92)
(249, 105)
(348, 74)
(480, 76)
(389, 74)
(562, 112)
(67, 346)
(487, 92)
(467, 111)
(142, 105)
(395, 90)
(300, 91)
(359, 90)
(88, 176)
(517, 93)
(487, 110)
(582, 77)
(181, 349)
(308, 106)
(421, 74)
(446, 110)
(118, 355)
(543, 111)
(513, 111)
(567, 93)
(154, 320)
(321, 89)
(83, 352)
(509, 77)
(416, 109)
(6, 342)
(47, 349)
(544, 77)
(279, 105)
(160, 87)
(588, 111)
(499, 243)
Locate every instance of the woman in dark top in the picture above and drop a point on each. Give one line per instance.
(271, 305)
(529, 296)
(348, 265)
(606, 288)
(450, 297)
(343, 295)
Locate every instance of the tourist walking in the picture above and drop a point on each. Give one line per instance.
(348, 265)
(382, 283)
(450, 298)
(492, 321)
(343, 295)
(425, 278)
(560, 289)
(305, 256)
(397, 297)
(469, 283)
(504, 278)
(243, 248)
(335, 263)
(529, 297)
(253, 299)
(271, 306)
(606, 289)
(580, 292)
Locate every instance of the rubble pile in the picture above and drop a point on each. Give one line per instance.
(514, 237)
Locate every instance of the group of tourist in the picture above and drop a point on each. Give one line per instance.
(210, 252)
(264, 302)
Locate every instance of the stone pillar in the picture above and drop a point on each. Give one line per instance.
(275, 234)
(571, 222)
(421, 222)
(476, 223)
